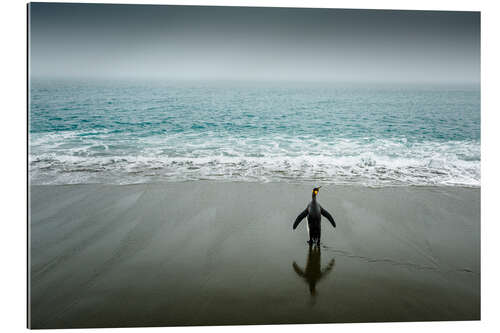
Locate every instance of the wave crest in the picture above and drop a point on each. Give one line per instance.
(71, 158)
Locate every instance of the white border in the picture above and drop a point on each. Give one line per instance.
(13, 165)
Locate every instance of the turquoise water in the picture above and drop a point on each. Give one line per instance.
(134, 132)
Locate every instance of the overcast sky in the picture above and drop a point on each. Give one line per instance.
(242, 43)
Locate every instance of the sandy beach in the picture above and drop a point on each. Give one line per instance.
(215, 253)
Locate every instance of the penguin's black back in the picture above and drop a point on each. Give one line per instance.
(314, 216)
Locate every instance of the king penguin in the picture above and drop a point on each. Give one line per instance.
(313, 213)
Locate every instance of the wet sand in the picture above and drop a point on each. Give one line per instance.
(207, 253)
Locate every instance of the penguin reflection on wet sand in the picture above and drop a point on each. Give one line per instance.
(313, 212)
(313, 273)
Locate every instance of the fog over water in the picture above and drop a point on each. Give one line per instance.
(242, 43)
(134, 94)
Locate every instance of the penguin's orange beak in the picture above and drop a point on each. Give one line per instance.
(316, 190)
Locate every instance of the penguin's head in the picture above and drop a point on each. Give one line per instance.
(315, 191)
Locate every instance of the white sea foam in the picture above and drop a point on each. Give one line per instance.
(71, 158)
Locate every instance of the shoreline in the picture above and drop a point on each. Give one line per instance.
(242, 182)
(223, 253)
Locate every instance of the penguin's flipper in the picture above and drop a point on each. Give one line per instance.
(300, 218)
(297, 270)
(328, 216)
(328, 268)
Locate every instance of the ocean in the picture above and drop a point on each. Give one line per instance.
(122, 132)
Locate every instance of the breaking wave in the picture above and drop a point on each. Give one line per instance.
(100, 157)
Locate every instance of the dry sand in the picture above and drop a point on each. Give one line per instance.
(207, 253)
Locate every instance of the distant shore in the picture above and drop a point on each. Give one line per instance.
(219, 253)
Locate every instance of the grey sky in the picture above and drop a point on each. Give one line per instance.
(241, 43)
